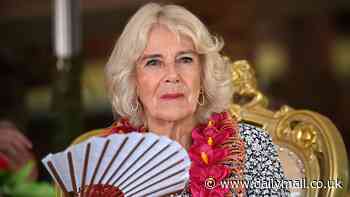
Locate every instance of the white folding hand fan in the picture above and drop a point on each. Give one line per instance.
(136, 164)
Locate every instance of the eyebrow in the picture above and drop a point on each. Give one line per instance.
(149, 56)
(186, 52)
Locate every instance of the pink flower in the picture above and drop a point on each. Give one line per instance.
(205, 181)
(204, 154)
(210, 134)
(223, 122)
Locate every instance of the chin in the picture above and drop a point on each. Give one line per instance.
(173, 118)
(174, 114)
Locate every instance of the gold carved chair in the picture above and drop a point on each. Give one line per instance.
(310, 146)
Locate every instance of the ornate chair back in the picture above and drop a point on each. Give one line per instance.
(310, 147)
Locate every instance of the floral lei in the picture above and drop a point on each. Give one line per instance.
(216, 153)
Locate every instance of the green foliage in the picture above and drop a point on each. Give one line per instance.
(17, 184)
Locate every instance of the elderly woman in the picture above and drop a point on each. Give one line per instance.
(166, 76)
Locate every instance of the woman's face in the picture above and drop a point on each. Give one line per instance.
(168, 76)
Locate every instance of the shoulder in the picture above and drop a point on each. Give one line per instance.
(260, 152)
(259, 148)
(261, 160)
(248, 129)
(255, 138)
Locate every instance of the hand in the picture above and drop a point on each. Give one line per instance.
(15, 148)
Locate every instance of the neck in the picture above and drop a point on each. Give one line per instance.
(179, 130)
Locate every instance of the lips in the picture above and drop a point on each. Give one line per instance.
(172, 96)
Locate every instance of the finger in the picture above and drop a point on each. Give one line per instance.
(23, 139)
(10, 140)
(14, 155)
(18, 157)
(16, 150)
(17, 153)
(20, 136)
(13, 134)
(21, 151)
(5, 145)
(8, 126)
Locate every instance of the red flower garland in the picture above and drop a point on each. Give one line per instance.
(208, 153)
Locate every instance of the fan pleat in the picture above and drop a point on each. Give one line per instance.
(124, 161)
(86, 163)
(135, 164)
(57, 177)
(163, 190)
(155, 176)
(146, 172)
(71, 170)
(153, 184)
(99, 161)
(112, 160)
(143, 165)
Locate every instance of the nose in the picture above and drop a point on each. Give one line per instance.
(172, 75)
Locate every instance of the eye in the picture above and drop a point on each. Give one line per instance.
(153, 62)
(185, 60)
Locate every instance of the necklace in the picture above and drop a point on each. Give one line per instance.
(217, 155)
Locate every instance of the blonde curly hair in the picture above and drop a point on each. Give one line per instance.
(120, 68)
